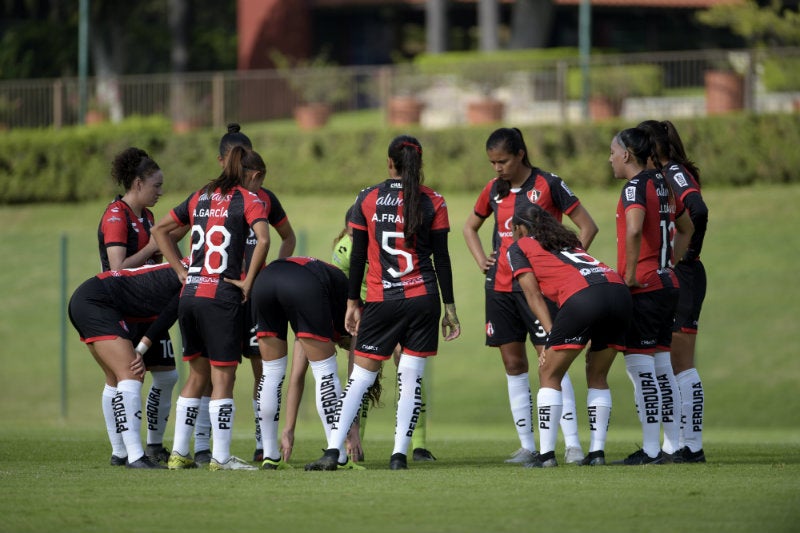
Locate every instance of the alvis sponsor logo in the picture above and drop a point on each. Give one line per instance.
(389, 199)
(662, 191)
(120, 418)
(544, 417)
(328, 397)
(652, 400)
(153, 402)
(216, 197)
(418, 405)
(225, 416)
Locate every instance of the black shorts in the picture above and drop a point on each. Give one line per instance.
(289, 294)
(95, 316)
(211, 328)
(249, 338)
(599, 313)
(413, 323)
(692, 277)
(650, 329)
(509, 319)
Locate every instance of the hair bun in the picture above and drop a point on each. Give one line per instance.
(233, 127)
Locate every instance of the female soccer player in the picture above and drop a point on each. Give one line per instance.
(278, 220)
(683, 177)
(647, 218)
(101, 310)
(508, 318)
(125, 242)
(210, 315)
(310, 295)
(397, 225)
(594, 305)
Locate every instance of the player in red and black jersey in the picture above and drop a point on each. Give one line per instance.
(682, 175)
(101, 310)
(220, 216)
(311, 296)
(648, 219)
(397, 226)
(594, 306)
(125, 242)
(509, 320)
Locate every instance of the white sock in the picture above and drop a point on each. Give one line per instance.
(222, 413)
(128, 415)
(692, 407)
(549, 406)
(187, 412)
(569, 414)
(256, 418)
(670, 407)
(269, 405)
(642, 372)
(519, 398)
(410, 372)
(202, 430)
(598, 402)
(117, 446)
(328, 390)
(159, 404)
(349, 404)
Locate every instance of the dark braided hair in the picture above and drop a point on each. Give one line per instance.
(542, 226)
(510, 141)
(130, 164)
(234, 137)
(406, 154)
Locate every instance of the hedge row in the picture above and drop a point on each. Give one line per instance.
(73, 164)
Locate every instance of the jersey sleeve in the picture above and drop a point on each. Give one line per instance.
(483, 205)
(563, 198)
(277, 215)
(256, 209)
(518, 260)
(634, 195)
(357, 218)
(181, 213)
(114, 227)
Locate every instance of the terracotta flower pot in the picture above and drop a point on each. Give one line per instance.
(485, 111)
(312, 116)
(724, 91)
(405, 110)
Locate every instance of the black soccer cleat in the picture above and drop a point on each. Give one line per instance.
(203, 457)
(595, 458)
(118, 461)
(542, 460)
(398, 461)
(328, 461)
(146, 462)
(640, 458)
(423, 454)
(685, 455)
(157, 453)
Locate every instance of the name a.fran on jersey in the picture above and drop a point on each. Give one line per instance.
(220, 212)
(391, 218)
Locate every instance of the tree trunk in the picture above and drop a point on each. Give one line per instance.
(531, 21)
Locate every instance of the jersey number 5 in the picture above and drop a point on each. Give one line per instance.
(385, 236)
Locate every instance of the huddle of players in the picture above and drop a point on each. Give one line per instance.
(584, 305)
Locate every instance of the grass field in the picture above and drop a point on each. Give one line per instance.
(53, 468)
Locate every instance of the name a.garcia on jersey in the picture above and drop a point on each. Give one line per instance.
(220, 212)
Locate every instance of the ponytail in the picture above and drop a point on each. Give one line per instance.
(406, 154)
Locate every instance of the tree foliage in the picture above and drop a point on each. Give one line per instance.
(770, 25)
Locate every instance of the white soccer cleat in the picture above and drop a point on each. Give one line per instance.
(573, 456)
(522, 456)
(233, 463)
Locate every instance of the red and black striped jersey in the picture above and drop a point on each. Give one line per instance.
(562, 274)
(543, 188)
(649, 191)
(398, 269)
(121, 227)
(220, 224)
(683, 185)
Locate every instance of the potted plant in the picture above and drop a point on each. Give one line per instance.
(610, 85)
(405, 104)
(725, 87)
(319, 85)
(484, 78)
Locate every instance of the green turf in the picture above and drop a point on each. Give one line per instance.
(54, 474)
